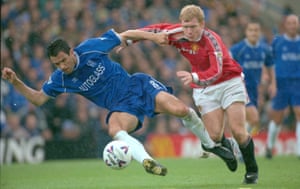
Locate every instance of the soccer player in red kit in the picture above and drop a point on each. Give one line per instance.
(216, 79)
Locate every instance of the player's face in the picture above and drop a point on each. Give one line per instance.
(253, 33)
(292, 25)
(65, 62)
(192, 29)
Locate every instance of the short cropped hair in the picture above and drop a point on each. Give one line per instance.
(56, 46)
(189, 12)
(254, 21)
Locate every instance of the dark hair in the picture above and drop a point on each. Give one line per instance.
(57, 46)
(254, 21)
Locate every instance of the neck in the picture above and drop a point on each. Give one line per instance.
(252, 43)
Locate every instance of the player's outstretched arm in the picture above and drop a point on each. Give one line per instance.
(35, 97)
(135, 35)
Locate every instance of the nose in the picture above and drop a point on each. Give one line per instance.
(189, 30)
(63, 67)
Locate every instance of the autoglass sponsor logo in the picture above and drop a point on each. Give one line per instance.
(93, 78)
(291, 57)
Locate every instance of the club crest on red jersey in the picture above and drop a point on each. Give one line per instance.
(194, 47)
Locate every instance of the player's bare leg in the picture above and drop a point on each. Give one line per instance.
(252, 117)
(170, 104)
(236, 118)
(120, 123)
(214, 124)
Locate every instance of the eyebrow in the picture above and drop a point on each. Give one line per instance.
(189, 26)
(59, 61)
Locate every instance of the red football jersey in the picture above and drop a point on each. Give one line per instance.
(209, 57)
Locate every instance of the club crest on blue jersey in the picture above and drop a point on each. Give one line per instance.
(74, 79)
(91, 63)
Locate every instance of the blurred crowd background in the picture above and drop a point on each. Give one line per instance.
(27, 26)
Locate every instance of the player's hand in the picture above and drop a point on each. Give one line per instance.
(119, 48)
(185, 77)
(272, 89)
(9, 75)
(161, 38)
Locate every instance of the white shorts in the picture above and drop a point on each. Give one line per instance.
(221, 95)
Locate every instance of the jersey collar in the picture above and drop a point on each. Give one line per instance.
(77, 61)
(291, 39)
(250, 45)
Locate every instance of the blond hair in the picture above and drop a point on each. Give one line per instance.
(189, 12)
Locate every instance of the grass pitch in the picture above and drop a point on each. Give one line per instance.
(211, 173)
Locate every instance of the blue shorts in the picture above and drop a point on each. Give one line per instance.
(288, 94)
(140, 97)
(252, 94)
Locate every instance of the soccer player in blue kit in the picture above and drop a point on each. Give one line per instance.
(286, 57)
(254, 56)
(88, 71)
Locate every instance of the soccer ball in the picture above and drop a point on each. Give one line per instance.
(117, 154)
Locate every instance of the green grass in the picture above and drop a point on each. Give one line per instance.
(279, 173)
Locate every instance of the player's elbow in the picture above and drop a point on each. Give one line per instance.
(39, 99)
(37, 103)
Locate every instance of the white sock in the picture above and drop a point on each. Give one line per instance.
(298, 137)
(138, 151)
(195, 124)
(272, 134)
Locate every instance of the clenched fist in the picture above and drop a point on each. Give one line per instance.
(9, 75)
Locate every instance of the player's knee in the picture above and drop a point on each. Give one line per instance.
(181, 111)
(240, 136)
(253, 121)
(276, 116)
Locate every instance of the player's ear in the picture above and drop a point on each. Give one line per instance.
(71, 51)
(202, 24)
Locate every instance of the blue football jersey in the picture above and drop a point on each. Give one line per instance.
(286, 54)
(95, 76)
(252, 58)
